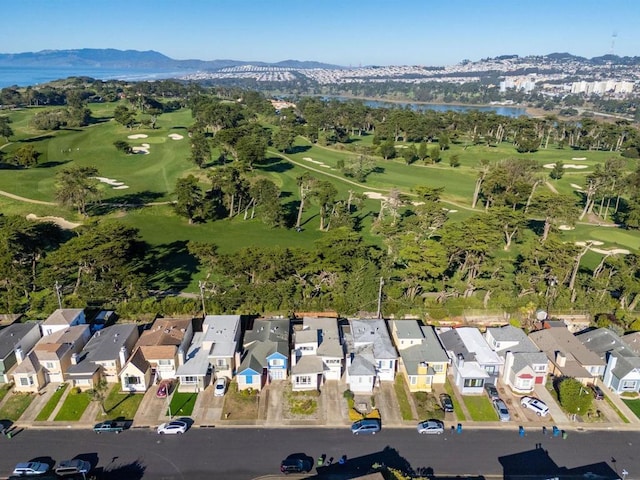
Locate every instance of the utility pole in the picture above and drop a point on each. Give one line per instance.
(379, 315)
(58, 288)
(201, 285)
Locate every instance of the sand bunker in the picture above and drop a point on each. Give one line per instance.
(61, 222)
(577, 187)
(374, 195)
(143, 149)
(112, 182)
(175, 136)
(566, 227)
(137, 136)
(568, 165)
(579, 158)
(603, 251)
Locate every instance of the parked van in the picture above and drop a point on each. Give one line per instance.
(366, 426)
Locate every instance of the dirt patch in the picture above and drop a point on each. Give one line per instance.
(175, 136)
(61, 222)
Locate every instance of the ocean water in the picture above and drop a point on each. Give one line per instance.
(25, 76)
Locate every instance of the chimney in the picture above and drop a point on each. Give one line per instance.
(122, 355)
(561, 359)
(460, 360)
(19, 354)
(180, 356)
(74, 359)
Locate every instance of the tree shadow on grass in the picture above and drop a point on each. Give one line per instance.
(273, 164)
(298, 149)
(124, 202)
(172, 267)
(52, 163)
(35, 139)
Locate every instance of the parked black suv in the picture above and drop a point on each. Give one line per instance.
(295, 465)
(446, 402)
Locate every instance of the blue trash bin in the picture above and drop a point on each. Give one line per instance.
(521, 431)
(556, 431)
(459, 428)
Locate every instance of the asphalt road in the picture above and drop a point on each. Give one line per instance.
(246, 453)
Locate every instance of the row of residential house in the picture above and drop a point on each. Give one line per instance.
(309, 352)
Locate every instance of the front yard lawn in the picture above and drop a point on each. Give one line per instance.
(48, 409)
(240, 404)
(427, 406)
(4, 390)
(480, 408)
(15, 406)
(120, 405)
(182, 404)
(634, 405)
(403, 400)
(301, 403)
(73, 407)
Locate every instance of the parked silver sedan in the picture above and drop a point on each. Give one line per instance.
(435, 427)
(175, 427)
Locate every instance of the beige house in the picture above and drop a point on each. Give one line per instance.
(159, 351)
(50, 359)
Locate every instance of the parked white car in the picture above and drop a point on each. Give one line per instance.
(172, 428)
(220, 387)
(535, 405)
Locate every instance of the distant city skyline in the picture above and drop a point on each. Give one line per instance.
(348, 33)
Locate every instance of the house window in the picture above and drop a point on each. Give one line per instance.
(438, 368)
(164, 362)
(189, 379)
(221, 362)
(525, 383)
(306, 349)
(276, 362)
(131, 381)
(303, 380)
(49, 365)
(490, 369)
(413, 380)
(539, 368)
(628, 385)
(473, 382)
(26, 381)
(83, 381)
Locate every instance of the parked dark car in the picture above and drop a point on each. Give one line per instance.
(295, 465)
(110, 426)
(492, 391)
(446, 402)
(598, 394)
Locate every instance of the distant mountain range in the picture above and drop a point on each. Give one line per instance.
(152, 60)
(112, 58)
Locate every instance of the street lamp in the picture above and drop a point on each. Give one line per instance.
(551, 285)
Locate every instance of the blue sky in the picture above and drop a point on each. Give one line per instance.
(343, 32)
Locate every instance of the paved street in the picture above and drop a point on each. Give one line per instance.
(245, 453)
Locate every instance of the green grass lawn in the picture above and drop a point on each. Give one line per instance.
(120, 405)
(634, 405)
(480, 408)
(403, 401)
(4, 390)
(182, 404)
(457, 410)
(73, 407)
(15, 406)
(48, 409)
(427, 406)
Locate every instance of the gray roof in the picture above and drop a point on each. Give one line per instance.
(267, 337)
(221, 331)
(373, 332)
(196, 360)
(408, 329)
(524, 359)
(428, 351)
(328, 335)
(602, 340)
(362, 364)
(11, 335)
(452, 342)
(625, 365)
(106, 343)
(633, 341)
(509, 333)
(306, 336)
(307, 365)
